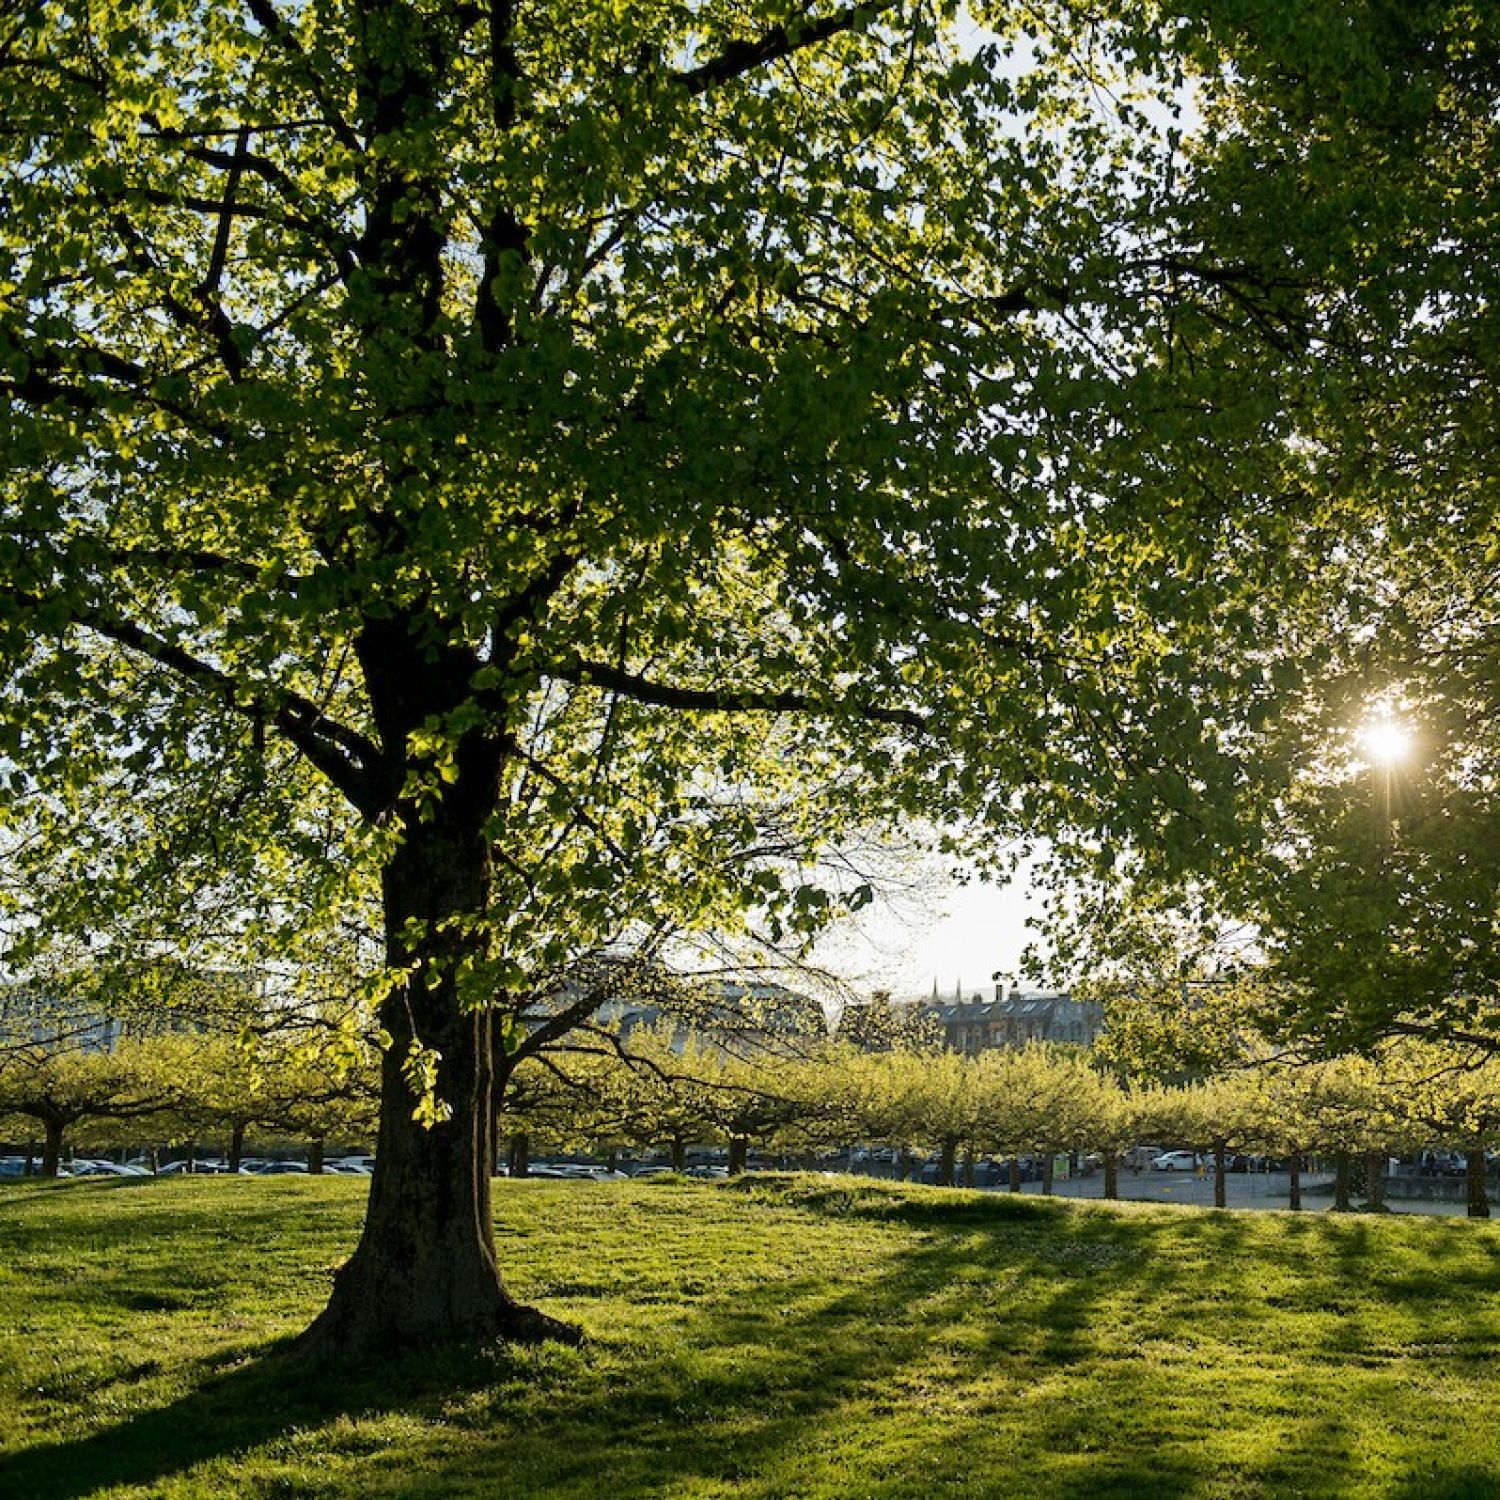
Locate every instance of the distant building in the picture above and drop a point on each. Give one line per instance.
(34, 1022)
(1012, 1019)
(748, 1015)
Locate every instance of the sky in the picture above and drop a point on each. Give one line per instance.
(941, 929)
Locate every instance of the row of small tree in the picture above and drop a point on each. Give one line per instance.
(179, 1088)
(669, 1090)
(1030, 1101)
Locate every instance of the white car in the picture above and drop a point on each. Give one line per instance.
(1175, 1161)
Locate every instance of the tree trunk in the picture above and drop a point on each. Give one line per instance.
(1294, 1184)
(425, 1270)
(1479, 1199)
(520, 1154)
(1015, 1174)
(1221, 1180)
(1375, 1179)
(31, 1155)
(315, 1156)
(1341, 1202)
(968, 1166)
(679, 1154)
(738, 1150)
(947, 1157)
(191, 1148)
(1111, 1175)
(1048, 1163)
(236, 1145)
(51, 1147)
(903, 1165)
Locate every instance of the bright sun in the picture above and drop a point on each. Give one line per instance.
(1385, 742)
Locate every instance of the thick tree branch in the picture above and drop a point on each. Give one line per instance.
(733, 700)
(349, 760)
(506, 238)
(742, 57)
(277, 30)
(211, 318)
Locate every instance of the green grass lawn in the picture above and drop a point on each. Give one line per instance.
(772, 1338)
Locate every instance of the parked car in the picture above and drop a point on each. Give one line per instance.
(12, 1166)
(350, 1166)
(707, 1169)
(97, 1167)
(1175, 1161)
(281, 1168)
(201, 1168)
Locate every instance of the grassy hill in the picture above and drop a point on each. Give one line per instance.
(775, 1338)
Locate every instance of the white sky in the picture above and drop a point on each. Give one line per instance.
(940, 929)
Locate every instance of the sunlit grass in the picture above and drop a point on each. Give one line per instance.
(774, 1338)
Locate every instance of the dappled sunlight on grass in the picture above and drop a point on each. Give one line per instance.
(767, 1338)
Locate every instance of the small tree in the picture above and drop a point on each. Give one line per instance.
(59, 1089)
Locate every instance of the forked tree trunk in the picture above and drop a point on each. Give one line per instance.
(425, 1269)
(1478, 1194)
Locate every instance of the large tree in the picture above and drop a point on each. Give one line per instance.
(1358, 158)
(542, 472)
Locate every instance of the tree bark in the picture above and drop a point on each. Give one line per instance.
(1478, 1194)
(679, 1154)
(1048, 1163)
(1015, 1174)
(51, 1146)
(738, 1150)
(947, 1159)
(1111, 1175)
(1221, 1181)
(236, 1145)
(1375, 1179)
(315, 1156)
(1341, 1203)
(1294, 1183)
(425, 1270)
(520, 1154)
(969, 1167)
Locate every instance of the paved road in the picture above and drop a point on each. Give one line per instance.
(1244, 1190)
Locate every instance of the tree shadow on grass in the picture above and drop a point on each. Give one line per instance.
(982, 1356)
(245, 1407)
